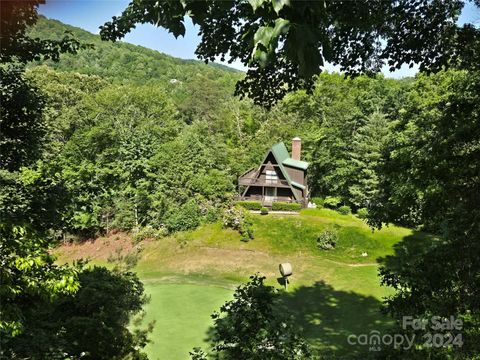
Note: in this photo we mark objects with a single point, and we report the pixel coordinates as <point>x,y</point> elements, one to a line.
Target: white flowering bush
<point>238,219</point>
<point>328,238</point>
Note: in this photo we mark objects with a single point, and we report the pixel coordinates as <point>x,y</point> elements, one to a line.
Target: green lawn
<point>182,317</point>
<point>333,293</point>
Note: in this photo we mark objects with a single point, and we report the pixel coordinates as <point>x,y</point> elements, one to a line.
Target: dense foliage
<point>282,206</point>
<point>167,155</point>
<point>254,326</point>
<point>123,137</point>
<point>83,324</point>
<point>285,43</point>
<point>124,63</point>
<point>430,178</point>
<point>328,238</point>
<point>27,273</point>
<point>26,270</point>
<point>250,205</point>
<point>47,310</point>
<point>238,219</point>
<point>344,210</point>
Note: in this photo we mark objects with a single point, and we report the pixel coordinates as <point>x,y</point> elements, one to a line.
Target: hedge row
<point>284,206</point>
<point>276,206</point>
<point>250,205</point>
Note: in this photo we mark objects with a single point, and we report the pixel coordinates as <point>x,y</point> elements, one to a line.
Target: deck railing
<point>267,200</point>
<point>247,181</point>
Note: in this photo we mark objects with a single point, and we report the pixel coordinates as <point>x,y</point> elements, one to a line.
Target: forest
<point>168,154</point>
<point>101,137</point>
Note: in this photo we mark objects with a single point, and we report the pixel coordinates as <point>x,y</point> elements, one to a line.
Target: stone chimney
<point>296,148</point>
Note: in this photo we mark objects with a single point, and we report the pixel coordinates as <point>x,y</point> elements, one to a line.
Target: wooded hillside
<point>140,138</point>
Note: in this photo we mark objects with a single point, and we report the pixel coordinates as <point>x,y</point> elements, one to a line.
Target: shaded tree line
<point>48,311</point>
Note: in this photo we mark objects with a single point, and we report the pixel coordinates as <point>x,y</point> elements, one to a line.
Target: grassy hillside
<point>123,62</point>
<point>333,293</point>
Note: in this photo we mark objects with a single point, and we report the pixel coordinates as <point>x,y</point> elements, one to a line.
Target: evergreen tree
<point>367,146</point>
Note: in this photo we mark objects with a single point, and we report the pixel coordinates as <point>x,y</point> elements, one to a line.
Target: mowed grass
<point>332,293</point>
<point>182,316</point>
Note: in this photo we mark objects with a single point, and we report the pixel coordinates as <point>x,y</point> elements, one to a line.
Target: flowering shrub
<point>327,239</point>
<point>238,219</point>
<point>148,232</point>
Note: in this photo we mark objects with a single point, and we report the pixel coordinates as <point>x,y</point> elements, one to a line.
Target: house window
<point>271,177</point>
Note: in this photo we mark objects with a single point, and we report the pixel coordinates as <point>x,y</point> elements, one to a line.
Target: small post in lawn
<point>285,271</point>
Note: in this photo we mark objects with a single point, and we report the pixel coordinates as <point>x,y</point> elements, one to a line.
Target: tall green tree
<point>429,178</point>
<point>342,124</point>
<point>27,269</point>
<point>90,323</point>
<point>105,162</point>
<point>21,105</point>
<point>366,152</point>
<point>27,273</point>
<point>21,120</point>
<point>30,281</point>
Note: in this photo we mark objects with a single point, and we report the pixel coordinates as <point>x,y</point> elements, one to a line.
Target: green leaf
<point>302,45</point>
<point>266,40</point>
<point>256,4</point>
<point>279,4</point>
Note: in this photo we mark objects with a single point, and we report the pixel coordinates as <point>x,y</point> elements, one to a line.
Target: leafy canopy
<point>47,310</point>
<point>15,43</point>
<point>254,326</point>
<point>285,43</point>
<point>429,178</point>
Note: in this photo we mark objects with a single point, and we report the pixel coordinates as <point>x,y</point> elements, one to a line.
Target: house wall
<point>296,175</point>
<point>263,173</point>
<point>270,163</point>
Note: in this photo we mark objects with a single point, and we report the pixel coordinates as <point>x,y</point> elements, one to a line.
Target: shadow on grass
<point>407,250</point>
<point>282,281</point>
<point>328,316</point>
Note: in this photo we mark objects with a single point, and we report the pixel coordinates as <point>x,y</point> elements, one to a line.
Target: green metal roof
<point>298,185</point>
<point>296,163</point>
<point>280,152</point>
<point>282,156</point>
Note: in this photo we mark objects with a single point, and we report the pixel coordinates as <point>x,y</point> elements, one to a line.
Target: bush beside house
<point>332,202</point>
<point>284,206</point>
<point>250,205</point>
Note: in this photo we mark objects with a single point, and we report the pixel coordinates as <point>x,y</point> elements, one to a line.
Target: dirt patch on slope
<point>98,249</point>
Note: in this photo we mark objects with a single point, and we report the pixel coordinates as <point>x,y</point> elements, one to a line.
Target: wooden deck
<point>267,201</point>
<point>251,178</point>
<point>259,182</point>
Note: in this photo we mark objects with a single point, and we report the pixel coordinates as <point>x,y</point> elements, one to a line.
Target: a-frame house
<point>278,178</point>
